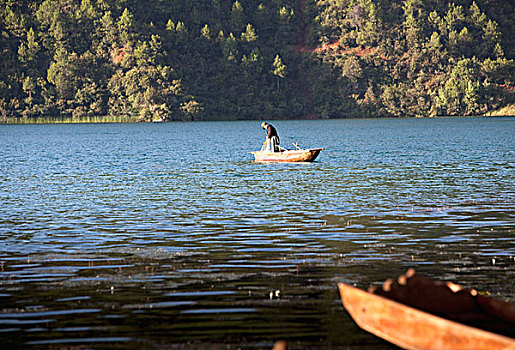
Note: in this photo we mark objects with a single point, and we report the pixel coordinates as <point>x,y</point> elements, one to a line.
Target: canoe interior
<point>411,328</point>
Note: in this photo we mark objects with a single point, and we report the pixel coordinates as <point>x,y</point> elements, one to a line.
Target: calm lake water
<point>168,235</point>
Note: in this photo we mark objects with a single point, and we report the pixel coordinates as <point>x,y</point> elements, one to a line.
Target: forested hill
<point>254,59</point>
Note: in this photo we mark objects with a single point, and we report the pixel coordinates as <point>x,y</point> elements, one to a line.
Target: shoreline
<point>108,120</point>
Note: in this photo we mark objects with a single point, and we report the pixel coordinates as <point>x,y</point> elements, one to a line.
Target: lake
<point>168,235</point>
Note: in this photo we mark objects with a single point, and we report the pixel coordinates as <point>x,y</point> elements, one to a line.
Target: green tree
<point>249,35</point>
<point>230,47</point>
<point>412,26</point>
<point>170,26</point>
<point>464,41</point>
<point>191,110</point>
<point>279,69</point>
<point>351,69</point>
<point>147,93</point>
<point>125,26</point>
<point>28,50</point>
<point>107,33</point>
<point>238,17</point>
<point>29,87</point>
<point>461,92</point>
<point>205,32</point>
<point>490,39</point>
<point>60,74</point>
<point>434,49</point>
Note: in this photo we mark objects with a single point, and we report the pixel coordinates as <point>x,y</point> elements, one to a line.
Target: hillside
<point>251,59</point>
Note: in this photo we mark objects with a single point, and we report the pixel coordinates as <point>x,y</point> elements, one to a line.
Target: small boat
<point>298,155</point>
<point>416,312</point>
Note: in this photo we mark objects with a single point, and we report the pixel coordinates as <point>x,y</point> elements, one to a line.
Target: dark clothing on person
<point>272,139</point>
<point>270,132</point>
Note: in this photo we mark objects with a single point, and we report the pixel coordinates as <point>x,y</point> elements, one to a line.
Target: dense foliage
<point>249,59</point>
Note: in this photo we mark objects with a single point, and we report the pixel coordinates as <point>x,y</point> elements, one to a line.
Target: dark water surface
<point>169,236</point>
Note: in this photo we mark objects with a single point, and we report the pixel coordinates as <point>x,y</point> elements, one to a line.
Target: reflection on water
<point>159,235</point>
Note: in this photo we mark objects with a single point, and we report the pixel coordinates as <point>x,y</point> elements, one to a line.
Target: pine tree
<point>249,35</point>
<point>279,69</point>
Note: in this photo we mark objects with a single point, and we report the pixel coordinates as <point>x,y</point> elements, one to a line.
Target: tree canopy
<point>254,59</point>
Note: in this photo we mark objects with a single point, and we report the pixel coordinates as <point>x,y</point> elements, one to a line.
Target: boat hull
<point>411,328</point>
<point>302,155</point>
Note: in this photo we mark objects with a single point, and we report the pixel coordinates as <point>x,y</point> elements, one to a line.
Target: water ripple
<point>121,234</point>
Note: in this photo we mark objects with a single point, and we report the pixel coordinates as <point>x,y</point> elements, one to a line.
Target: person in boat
<point>272,139</point>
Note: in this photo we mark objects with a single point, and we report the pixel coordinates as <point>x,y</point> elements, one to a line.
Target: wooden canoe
<point>411,328</point>
<point>299,155</point>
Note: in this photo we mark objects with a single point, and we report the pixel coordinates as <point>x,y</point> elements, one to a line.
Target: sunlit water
<point>168,235</point>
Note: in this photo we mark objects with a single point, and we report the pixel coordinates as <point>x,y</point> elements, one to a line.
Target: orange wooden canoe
<point>411,328</point>
<point>299,155</point>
